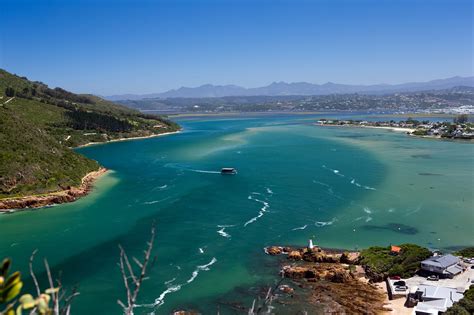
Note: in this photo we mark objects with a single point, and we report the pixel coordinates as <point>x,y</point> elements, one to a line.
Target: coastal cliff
<point>69,194</point>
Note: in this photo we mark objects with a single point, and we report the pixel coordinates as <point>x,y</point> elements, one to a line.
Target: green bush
<point>404,264</point>
<point>465,252</point>
<point>465,305</point>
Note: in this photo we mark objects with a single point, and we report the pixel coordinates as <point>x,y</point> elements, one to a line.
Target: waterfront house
<point>443,265</point>
<point>433,299</point>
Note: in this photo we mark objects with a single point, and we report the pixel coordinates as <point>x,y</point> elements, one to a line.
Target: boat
<point>228,171</point>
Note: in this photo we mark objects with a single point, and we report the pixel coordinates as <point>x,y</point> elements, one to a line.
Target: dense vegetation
<point>465,306</point>
<point>465,252</point>
<point>380,260</point>
<point>38,125</point>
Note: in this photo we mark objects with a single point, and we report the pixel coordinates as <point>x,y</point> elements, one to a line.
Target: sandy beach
<point>398,129</point>
<point>131,138</point>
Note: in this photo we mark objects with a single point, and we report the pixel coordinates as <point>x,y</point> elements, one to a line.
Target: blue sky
<point>116,47</point>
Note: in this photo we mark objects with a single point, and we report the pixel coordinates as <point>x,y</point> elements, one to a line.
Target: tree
<point>461,119</point>
<point>10,92</point>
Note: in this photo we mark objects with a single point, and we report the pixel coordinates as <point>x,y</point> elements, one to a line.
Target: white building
<point>434,299</point>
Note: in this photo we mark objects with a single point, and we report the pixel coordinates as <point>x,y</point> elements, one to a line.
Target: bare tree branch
<point>33,276</point>
<point>132,289</point>
<point>54,294</point>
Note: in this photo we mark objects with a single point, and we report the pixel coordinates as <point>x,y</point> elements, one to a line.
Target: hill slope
<point>38,125</point>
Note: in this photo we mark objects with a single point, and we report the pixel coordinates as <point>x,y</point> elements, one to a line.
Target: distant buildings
<point>443,265</point>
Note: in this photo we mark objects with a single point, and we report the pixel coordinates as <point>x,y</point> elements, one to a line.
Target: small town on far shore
<point>459,128</point>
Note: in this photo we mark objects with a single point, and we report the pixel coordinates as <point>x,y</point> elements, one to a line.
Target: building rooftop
<point>437,298</point>
<point>443,261</point>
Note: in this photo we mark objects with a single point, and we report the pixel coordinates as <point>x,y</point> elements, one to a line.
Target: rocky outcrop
<point>68,195</point>
<point>315,254</point>
<point>374,276</point>
<point>295,255</point>
<point>313,272</point>
<point>274,250</point>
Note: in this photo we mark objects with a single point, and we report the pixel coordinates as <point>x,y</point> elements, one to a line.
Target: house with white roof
<point>434,299</point>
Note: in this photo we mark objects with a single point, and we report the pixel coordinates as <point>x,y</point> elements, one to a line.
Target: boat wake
<point>204,171</point>
<point>183,168</point>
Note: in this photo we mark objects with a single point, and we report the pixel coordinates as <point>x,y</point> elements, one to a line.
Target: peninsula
<point>40,126</point>
<point>460,128</point>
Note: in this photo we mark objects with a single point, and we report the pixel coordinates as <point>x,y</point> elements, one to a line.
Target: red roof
<point>395,249</point>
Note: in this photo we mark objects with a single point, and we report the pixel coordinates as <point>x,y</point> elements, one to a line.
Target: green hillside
<point>39,125</point>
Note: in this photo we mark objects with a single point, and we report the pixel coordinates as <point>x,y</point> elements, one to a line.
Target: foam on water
<point>201,268</point>
<point>223,233</point>
<point>161,298</point>
<point>353,182</point>
<point>324,223</point>
<point>262,211</point>
<point>155,201</point>
<point>300,228</point>
<point>337,172</point>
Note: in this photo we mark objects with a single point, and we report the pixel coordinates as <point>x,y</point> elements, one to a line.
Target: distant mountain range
<point>299,88</point>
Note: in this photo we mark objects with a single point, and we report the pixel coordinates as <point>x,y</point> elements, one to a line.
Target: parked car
<point>472,267</point>
<point>401,288</point>
<point>432,278</point>
<point>399,283</point>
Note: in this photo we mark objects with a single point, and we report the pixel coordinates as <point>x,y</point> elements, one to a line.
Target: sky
<point>116,47</point>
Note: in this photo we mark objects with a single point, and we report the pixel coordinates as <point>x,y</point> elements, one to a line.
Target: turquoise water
<point>343,187</point>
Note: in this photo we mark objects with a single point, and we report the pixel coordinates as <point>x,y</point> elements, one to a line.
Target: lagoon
<point>342,187</point>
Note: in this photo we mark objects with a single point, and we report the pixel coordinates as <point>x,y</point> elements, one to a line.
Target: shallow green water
<point>345,188</point>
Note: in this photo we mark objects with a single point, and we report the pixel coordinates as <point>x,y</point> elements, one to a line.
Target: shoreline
<point>407,131</point>
<point>14,204</point>
<point>127,139</point>
<point>397,129</point>
<point>31,202</point>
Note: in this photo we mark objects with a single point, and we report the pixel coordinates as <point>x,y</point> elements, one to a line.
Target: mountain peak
<point>277,88</point>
